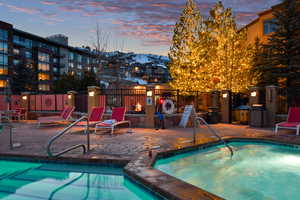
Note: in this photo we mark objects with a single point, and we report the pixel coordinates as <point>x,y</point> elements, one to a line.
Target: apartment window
<point>22,41</point>
<point>269,27</point>
<point>2,83</point>
<point>44,87</point>
<point>55,60</point>
<point>79,66</point>
<point>79,58</point>
<point>16,51</point>
<point>28,54</point>
<point>44,57</point>
<point>55,69</point>
<point>3,47</point>
<point>43,67</point>
<point>3,35</point>
<point>3,59</point>
<point>3,71</point>
<point>71,56</point>
<point>71,65</point>
<point>16,62</point>
<point>43,77</point>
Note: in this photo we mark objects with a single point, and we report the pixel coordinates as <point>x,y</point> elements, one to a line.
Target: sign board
<point>188,110</point>
<point>149,101</point>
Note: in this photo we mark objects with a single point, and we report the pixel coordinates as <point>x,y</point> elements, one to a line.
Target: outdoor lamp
<point>92,93</point>
<point>253,94</point>
<point>224,95</point>
<point>69,96</point>
<point>149,93</point>
<point>24,98</point>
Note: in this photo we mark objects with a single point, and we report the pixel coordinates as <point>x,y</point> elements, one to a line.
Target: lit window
<point>79,66</point>
<point>2,83</point>
<point>43,77</point>
<point>44,57</point>
<point>44,87</point>
<point>269,26</point>
<point>28,54</point>
<point>3,59</point>
<point>3,35</point>
<point>16,61</point>
<point>16,51</point>
<point>3,71</point>
<point>44,67</point>
<point>3,47</point>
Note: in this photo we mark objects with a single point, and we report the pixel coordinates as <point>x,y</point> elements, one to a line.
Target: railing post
<point>93,97</point>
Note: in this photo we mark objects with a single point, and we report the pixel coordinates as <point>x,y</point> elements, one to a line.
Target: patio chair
<point>64,116</point>
<point>117,118</point>
<point>94,118</point>
<point>293,121</point>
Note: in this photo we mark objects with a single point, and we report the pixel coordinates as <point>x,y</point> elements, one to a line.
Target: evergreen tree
<point>186,50</point>
<point>67,82</point>
<point>282,53</point>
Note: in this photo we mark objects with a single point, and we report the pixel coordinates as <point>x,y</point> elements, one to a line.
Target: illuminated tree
<point>231,62</point>
<point>187,53</point>
<point>210,54</point>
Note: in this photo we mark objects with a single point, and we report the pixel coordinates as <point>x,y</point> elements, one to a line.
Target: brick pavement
<point>121,145</point>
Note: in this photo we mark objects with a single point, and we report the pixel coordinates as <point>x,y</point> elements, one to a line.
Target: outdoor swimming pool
<point>32,181</point>
<point>256,170</point>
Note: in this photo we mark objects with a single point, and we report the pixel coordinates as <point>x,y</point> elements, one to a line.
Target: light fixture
<point>92,93</point>
<point>225,95</point>
<point>157,87</point>
<point>149,93</point>
<point>69,96</point>
<point>253,94</point>
<point>24,98</point>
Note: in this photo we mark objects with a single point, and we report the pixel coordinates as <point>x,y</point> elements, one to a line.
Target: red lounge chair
<point>94,118</point>
<point>293,121</point>
<point>64,116</point>
<point>117,118</point>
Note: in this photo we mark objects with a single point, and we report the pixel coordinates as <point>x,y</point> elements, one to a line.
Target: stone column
<point>226,106</point>
<point>93,97</point>
<point>150,107</point>
<point>25,102</point>
<point>254,96</point>
<point>271,104</point>
<point>71,98</point>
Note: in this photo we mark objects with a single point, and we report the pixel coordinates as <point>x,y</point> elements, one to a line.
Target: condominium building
<point>48,57</point>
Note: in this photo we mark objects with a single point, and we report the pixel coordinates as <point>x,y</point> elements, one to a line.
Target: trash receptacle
<point>257,115</point>
<point>242,114</point>
<point>213,115</point>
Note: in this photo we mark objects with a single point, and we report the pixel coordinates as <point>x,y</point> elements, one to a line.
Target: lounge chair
<point>64,116</point>
<point>293,121</point>
<point>117,118</point>
<point>94,118</point>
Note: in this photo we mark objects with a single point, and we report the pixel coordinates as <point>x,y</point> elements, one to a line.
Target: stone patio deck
<point>122,145</point>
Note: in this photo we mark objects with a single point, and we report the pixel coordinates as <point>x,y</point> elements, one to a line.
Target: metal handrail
<point>85,150</point>
<point>212,131</point>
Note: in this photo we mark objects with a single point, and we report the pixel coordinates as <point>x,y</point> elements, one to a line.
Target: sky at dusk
<point>141,26</point>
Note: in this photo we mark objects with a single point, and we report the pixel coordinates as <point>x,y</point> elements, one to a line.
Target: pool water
<point>256,171</point>
<point>33,181</point>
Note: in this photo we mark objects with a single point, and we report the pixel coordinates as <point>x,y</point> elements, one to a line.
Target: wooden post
<point>271,104</point>
<point>226,106</point>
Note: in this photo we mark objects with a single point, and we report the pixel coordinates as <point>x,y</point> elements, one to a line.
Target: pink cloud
<point>23,9</point>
